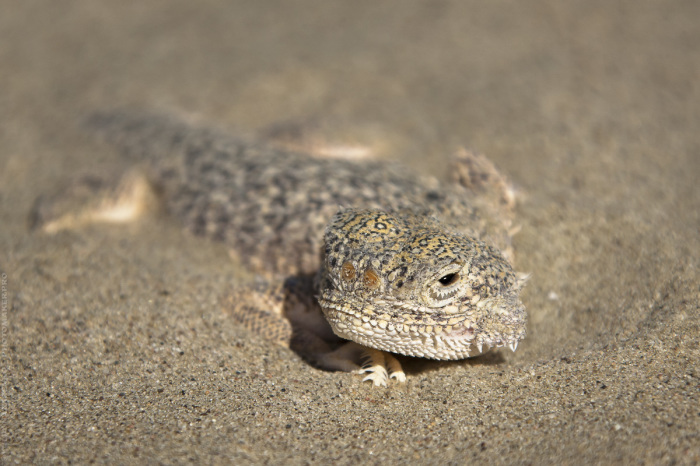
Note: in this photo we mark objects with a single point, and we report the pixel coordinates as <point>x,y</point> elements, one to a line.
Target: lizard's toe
<point>378,377</point>
<point>395,369</point>
<point>376,363</point>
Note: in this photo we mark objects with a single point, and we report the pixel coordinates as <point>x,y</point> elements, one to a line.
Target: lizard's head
<point>403,283</point>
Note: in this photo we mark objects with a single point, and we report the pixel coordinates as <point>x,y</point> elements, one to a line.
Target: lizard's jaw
<point>456,337</point>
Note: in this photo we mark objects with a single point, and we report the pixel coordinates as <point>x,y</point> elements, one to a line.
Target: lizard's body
<point>368,240</point>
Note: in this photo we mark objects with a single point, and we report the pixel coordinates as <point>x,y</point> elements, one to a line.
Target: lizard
<point>357,260</point>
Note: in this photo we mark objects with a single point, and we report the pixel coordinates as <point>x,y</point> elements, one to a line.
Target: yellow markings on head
<point>368,226</point>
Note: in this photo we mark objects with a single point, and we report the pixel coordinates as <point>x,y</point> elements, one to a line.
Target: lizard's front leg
<point>287,314</point>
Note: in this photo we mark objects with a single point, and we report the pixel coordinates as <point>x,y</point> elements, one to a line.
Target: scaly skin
<point>405,284</point>
<point>409,265</point>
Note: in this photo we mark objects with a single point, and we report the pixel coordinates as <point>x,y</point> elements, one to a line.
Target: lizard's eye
<point>449,279</point>
<point>445,286</point>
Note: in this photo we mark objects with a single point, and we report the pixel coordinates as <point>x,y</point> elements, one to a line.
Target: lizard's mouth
<point>454,338</point>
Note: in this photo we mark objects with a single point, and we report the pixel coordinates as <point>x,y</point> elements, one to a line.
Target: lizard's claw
<point>380,367</point>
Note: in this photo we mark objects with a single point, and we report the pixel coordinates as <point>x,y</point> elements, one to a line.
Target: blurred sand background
<point>114,346</point>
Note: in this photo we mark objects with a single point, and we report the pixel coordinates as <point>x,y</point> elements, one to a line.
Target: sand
<point>115,348</point>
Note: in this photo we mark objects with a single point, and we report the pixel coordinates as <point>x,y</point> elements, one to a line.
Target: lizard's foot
<point>478,174</point>
<point>328,138</point>
<point>381,367</point>
<point>492,191</point>
<point>283,314</point>
<point>91,199</point>
<point>259,307</point>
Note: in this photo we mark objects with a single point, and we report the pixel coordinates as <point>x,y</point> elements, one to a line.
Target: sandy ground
<point>114,347</point>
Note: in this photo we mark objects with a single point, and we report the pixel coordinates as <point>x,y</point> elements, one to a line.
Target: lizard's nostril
<point>347,272</point>
<point>371,280</point>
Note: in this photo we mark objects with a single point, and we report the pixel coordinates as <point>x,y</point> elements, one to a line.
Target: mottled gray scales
<point>394,261</point>
<point>271,205</point>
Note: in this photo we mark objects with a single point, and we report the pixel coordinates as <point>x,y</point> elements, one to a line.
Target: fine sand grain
<point>114,347</point>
